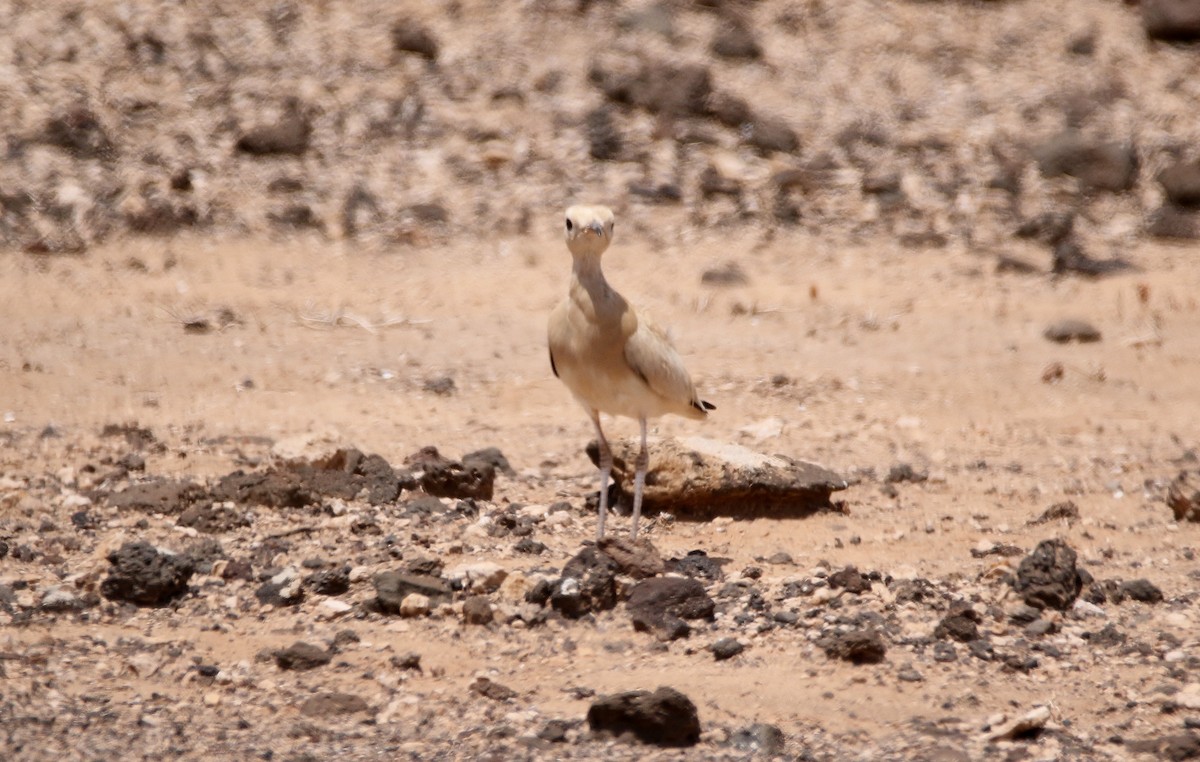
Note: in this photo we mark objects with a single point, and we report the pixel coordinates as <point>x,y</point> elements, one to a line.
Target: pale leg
<point>605,473</point>
<point>639,480</point>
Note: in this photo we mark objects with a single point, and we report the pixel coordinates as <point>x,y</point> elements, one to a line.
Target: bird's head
<point>589,229</point>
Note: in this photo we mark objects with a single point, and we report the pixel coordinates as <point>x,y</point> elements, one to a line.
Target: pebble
<point>414,605</point>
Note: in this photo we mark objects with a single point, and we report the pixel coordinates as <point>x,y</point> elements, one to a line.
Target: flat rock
<point>1047,577</point>
<point>699,478</point>
<point>284,589</point>
<point>638,559</point>
<point>144,575</point>
<point>1024,726</point>
<point>159,496</point>
<point>665,717</point>
<point>1098,165</point>
<point>302,656</point>
<point>332,704</point>
<point>391,588</point>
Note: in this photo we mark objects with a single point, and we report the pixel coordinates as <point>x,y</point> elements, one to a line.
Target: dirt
<point>239,348</point>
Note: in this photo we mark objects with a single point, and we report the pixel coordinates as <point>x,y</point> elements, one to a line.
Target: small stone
<point>909,675</point>
<point>856,646</point>
<point>1024,726</point>
<point>760,737</point>
<point>302,656</point>
<point>477,610</point>
<point>333,704</point>
<point>414,605</point>
<point>1072,330</point>
<point>1142,590</point>
<point>1047,577</point>
<point>490,689</point>
<point>726,648</point>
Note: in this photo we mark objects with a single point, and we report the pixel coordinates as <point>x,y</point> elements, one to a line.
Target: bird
<point>612,360</point>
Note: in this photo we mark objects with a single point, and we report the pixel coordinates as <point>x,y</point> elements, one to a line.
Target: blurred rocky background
<point>957,124</point>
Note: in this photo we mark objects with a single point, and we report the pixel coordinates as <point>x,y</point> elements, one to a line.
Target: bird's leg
<point>639,480</point>
<point>605,473</point>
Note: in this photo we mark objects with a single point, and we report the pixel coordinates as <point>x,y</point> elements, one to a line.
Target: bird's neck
<point>587,271</point>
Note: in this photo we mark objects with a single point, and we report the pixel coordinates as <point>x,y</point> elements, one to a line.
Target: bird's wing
<point>650,355</point>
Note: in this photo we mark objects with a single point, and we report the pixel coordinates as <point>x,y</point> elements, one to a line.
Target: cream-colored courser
<point>611,361</point>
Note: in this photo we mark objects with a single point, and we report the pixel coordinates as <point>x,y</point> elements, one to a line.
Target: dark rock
<point>1171,20</point>
<point>143,575</point>
<point>408,661</point>
<point>442,386</point>
<point>729,109</point>
<point>530,546</point>
<point>1099,166</point>
<point>1069,257</point>
<point>212,518</point>
<point>274,489</point>
<point>713,183</point>
<point>1047,577</point>
<point>493,457</point>
<point>726,648</point>
<point>909,675</point>
<point>158,496</point>
<point>728,274</point>
<point>960,624</point>
<point>442,477</point>
<point>392,587</point>
<point>856,646</point>
<point>904,472</point>
<point>79,132</point>
<point>492,690</point>
<point>427,213</point>
<point>736,41</point>
<point>1048,228</point>
<point>1181,182</point>
<point>604,140</point>
<point>851,579</point>
<point>1142,590</point>
<point>287,136</point>
<point>329,581</point>
<point>283,589</point>
<point>477,610</point>
<point>665,717</point>
<point>1183,496</point>
<point>132,461</point>
<point>914,590</point>
<point>657,87</point>
<point>1064,511</point>
<point>302,656</point>
<point>359,208</point>
<point>699,564</point>
<point>659,604</point>
<point>760,738</point>
<point>333,704</point>
<point>595,589</point>
<point>1069,329</point>
<point>1173,222</point>
<point>944,652</point>
<point>296,216</point>
<point>771,134</point>
<point>82,520</point>
<point>1021,663</point>
<point>982,650</point>
<point>410,37</point>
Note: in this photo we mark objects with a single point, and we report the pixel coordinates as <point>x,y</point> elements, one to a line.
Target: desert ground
<point>871,299</point>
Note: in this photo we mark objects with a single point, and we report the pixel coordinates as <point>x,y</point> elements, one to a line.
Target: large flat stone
<point>700,478</point>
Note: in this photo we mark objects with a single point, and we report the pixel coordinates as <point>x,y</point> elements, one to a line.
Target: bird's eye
<point>569,226</point>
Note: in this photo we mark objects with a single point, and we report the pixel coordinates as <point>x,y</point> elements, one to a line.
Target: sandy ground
<point>272,311</point>
<point>855,357</point>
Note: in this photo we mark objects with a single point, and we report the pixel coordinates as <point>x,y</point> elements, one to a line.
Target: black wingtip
<point>703,405</point>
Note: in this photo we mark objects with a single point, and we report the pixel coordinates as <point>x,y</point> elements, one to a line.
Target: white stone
<point>414,604</point>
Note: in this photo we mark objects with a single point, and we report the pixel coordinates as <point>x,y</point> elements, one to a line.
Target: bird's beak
<point>597,228</point>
